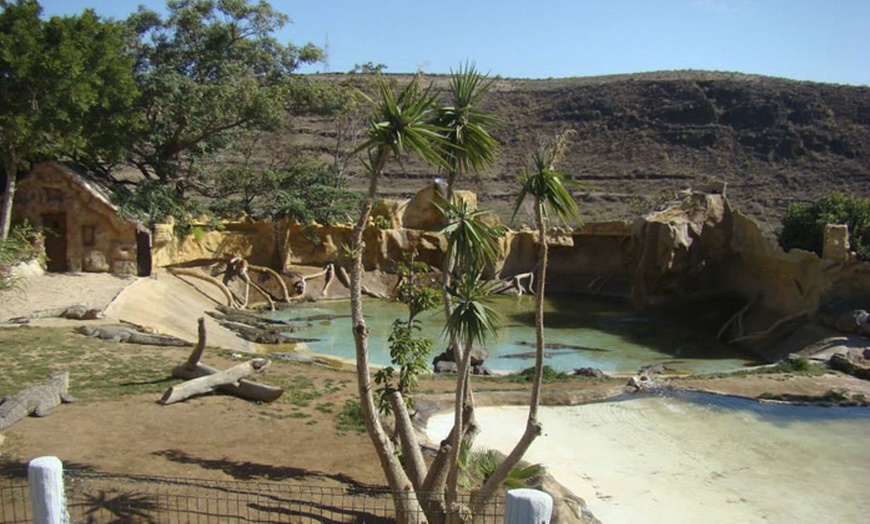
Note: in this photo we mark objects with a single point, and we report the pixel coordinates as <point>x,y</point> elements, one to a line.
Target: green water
<point>606,335</point>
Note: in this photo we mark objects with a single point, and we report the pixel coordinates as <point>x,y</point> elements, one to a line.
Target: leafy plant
<point>409,352</point>
<point>23,244</point>
<point>803,225</point>
<point>479,466</point>
<point>549,375</point>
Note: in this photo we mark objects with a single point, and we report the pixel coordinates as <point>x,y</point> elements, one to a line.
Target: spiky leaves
<point>469,146</point>
<point>400,125</point>
<point>472,240</point>
<point>547,186</point>
<point>472,319</point>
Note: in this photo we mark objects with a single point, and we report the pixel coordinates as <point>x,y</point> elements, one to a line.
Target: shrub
<point>803,225</point>
<point>24,243</point>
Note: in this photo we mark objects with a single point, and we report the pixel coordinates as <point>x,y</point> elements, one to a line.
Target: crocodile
<point>75,312</point>
<point>36,400</point>
<point>131,336</point>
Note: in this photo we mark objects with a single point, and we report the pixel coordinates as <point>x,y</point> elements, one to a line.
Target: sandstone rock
<point>836,246</point>
<point>95,262</point>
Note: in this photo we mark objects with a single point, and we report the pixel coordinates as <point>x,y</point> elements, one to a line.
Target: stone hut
<point>83,231</point>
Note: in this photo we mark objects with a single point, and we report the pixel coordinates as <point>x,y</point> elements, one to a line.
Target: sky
<point>817,40</point>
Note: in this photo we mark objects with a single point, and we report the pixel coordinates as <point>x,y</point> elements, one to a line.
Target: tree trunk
<point>414,463</point>
<point>407,506</point>
<point>9,196</point>
<point>533,427</point>
<point>209,383</point>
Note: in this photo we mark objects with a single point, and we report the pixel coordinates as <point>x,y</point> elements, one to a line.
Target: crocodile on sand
<point>36,400</point>
<point>75,312</point>
<point>129,335</point>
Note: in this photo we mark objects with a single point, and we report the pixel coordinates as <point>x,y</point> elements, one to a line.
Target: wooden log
<point>208,383</point>
<point>243,389</point>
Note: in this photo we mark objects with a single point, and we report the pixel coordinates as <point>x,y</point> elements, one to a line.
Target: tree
<point>63,83</point>
<point>208,71</point>
<point>468,145</point>
<point>550,197</point>
<point>399,125</point>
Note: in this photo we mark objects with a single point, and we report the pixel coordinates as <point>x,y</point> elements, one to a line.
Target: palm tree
<point>468,144</point>
<point>472,320</point>
<point>399,125</point>
<point>550,197</point>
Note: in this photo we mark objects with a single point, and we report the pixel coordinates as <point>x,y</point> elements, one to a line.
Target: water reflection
<point>581,332</point>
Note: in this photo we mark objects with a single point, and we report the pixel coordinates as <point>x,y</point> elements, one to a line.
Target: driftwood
<point>193,369</point>
<point>209,383</point>
<point>515,282</point>
<point>231,301</point>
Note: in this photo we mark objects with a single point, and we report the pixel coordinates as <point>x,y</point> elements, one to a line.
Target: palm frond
<point>472,317</point>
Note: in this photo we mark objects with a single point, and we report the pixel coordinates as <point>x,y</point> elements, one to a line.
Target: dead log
<point>193,369</point>
<point>231,301</point>
<point>243,389</point>
<point>208,383</point>
<point>274,274</point>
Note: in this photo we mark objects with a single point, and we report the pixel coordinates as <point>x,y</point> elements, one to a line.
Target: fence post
<point>45,477</point>
<point>528,506</point>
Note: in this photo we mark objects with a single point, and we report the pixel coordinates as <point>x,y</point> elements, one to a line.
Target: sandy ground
<point>162,303</point>
<point>661,460</point>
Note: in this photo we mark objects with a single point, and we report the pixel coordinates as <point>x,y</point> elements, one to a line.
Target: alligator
<point>75,312</point>
<point>129,335</point>
<point>36,400</point>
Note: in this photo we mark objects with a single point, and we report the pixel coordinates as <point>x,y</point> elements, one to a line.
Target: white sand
<point>663,460</point>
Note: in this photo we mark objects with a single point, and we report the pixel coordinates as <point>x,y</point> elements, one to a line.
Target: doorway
<point>143,253</point>
<point>54,227</point>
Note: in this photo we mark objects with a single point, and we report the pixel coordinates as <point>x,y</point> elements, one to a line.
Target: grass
<point>105,371</point>
<point>799,366</point>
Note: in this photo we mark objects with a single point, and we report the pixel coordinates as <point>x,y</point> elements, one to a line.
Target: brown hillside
<point>639,138</point>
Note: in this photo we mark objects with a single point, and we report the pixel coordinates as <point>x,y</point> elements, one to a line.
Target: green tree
<point>65,88</point>
<point>468,146</point>
<point>208,71</point>
<point>399,125</point>
<point>549,197</point>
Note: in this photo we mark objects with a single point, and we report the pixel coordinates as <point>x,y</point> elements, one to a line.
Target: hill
<point>640,138</point>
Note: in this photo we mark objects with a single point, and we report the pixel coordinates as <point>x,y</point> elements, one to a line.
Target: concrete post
<point>528,506</point>
<point>45,477</point>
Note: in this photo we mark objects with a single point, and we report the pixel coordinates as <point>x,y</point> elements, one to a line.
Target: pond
<point>580,332</point>
<point>690,457</point>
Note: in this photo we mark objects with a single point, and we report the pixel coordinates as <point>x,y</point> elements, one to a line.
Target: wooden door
<point>54,225</point>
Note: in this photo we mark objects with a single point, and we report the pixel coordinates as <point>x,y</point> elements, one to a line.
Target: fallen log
<point>243,389</point>
<point>193,369</point>
<point>209,383</point>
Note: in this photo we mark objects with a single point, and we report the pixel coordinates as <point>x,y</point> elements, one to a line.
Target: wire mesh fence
<point>103,498</point>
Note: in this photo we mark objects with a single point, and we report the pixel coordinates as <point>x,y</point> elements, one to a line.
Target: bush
<point>803,225</point>
<point>24,243</point>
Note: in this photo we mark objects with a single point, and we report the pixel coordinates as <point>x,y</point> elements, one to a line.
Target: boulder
<point>589,372</point>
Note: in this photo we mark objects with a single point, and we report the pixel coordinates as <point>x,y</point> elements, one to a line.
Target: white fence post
<point>528,506</point>
<point>45,477</point>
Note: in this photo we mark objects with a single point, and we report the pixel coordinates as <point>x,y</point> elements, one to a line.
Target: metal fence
<point>107,498</point>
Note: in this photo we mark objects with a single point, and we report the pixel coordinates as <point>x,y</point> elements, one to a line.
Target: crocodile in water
<point>132,336</point>
<point>36,400</point>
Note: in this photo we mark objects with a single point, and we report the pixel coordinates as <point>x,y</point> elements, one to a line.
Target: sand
<point>662,460</point>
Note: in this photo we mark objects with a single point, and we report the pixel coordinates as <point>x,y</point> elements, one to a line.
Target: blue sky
<point>818,40</point>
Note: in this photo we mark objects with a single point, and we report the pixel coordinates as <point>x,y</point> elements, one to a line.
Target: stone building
<point>83,231</point>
